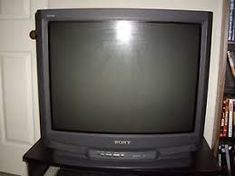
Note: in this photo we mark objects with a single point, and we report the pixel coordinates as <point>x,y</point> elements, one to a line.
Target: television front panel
<point>124,82</point>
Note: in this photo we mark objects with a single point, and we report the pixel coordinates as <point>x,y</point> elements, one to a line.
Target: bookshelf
<point>231,45</point>
<point>226,148</point>
<point>229,89</point>
<point>227,143</point>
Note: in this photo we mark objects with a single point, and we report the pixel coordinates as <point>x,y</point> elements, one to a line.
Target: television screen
<point>123,77</point>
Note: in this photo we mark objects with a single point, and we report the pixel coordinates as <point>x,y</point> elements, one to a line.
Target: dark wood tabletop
<point>39,158</point>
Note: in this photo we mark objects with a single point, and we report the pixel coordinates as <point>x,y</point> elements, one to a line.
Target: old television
<point>123,88</point>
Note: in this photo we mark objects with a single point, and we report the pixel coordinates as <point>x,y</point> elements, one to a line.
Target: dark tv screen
<point>124,77</point>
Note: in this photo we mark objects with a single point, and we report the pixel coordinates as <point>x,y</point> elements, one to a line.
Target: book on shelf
<point>231,28</point>
<point>230,118</point>
<point>225,129</point>
<point>222,122</point>
<point>226,158</point>
<point>231,60</point>
<point>227,123</point>
<point>234,117</point>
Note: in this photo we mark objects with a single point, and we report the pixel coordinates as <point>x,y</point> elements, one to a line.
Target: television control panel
<point>122,155</point>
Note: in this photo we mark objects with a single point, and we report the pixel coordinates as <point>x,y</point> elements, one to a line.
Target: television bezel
<point>71,140</point>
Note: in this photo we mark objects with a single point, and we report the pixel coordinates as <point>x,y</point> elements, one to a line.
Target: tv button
<point>122,154</point>
<point>108,154</point>
<point>116,154</point>
<point>101,154</point>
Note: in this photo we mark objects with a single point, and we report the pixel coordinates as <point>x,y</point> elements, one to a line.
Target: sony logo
<point>122,142</point>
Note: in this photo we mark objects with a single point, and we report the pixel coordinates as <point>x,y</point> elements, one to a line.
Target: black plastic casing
<point>81,143</point>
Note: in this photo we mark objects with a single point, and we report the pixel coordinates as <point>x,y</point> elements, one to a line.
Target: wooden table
<point>39,158</point>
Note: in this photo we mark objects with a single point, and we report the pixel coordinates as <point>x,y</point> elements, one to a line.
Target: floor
<point>5,174</point>
<point>52,171</point>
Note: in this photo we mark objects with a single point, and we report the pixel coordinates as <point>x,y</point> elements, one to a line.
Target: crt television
<point>123,88</point>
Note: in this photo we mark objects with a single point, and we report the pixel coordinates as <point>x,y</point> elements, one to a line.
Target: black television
<point>123,88</point>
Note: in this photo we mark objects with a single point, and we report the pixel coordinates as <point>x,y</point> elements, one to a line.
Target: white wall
<point>218,7</point>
